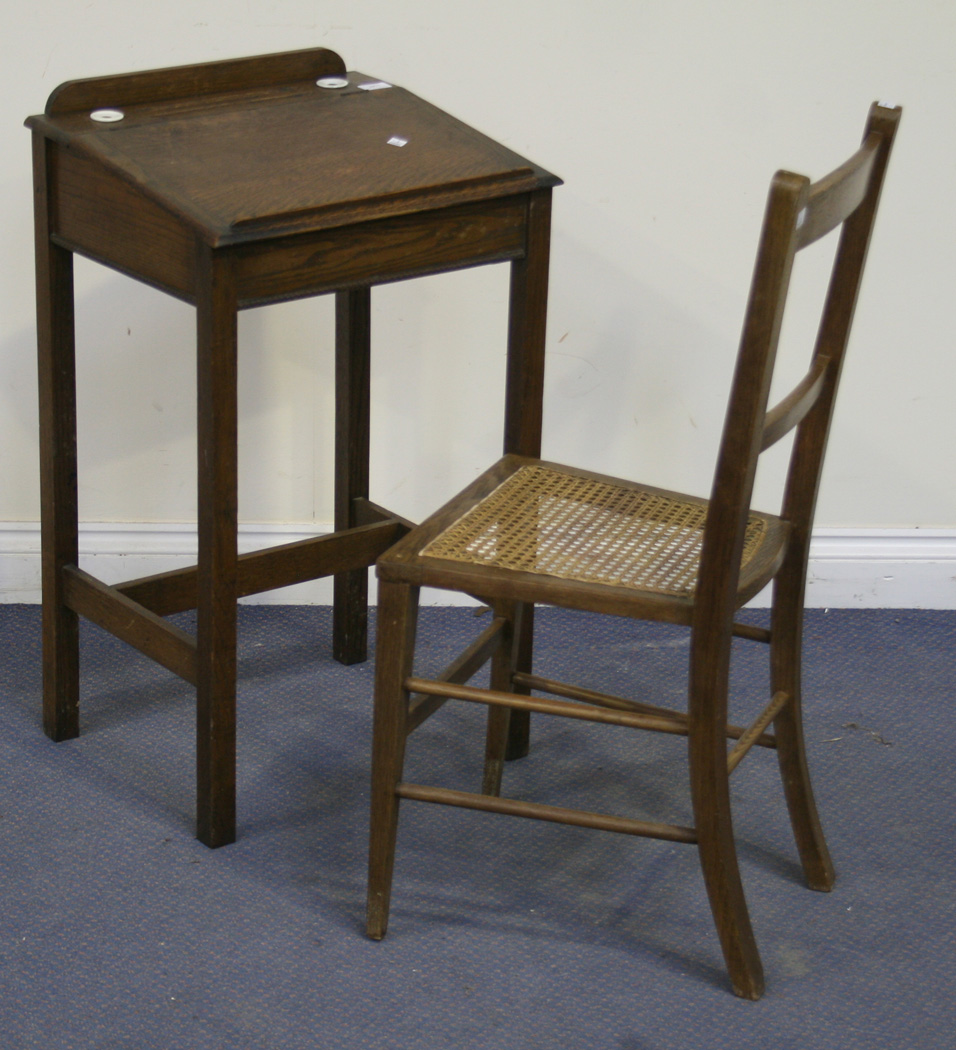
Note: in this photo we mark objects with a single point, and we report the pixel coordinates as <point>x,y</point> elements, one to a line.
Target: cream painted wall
<point>665,118</point>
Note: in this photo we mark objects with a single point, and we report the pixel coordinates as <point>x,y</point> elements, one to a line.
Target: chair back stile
<point>721,554</point>
<point>740,447</point>
<point>797,214</point>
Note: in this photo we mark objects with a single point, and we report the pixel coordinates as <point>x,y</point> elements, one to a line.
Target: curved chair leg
<point>395,648</point>
<point>712,818</point>
<point>785,659</point>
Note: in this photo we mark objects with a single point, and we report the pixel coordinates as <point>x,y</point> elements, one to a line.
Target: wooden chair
<point>531,531</point>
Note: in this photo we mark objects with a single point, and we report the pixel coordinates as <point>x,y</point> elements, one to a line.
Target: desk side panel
<point>100,215</point>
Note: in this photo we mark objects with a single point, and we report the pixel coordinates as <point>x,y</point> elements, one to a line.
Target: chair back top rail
<point>834,198</point>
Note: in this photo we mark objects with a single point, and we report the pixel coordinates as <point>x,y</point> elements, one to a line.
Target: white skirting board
<point>849,568</point>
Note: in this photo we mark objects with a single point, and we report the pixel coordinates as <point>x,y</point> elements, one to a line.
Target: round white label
<point>106,116</point>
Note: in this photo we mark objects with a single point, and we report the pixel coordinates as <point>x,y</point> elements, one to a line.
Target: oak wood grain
<point>797,212</point>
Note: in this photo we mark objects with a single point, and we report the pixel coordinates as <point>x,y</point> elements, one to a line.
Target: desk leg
<point>352,351</point>
<point>56,358</point>
<point>524,398</point>
<point>217,574</point>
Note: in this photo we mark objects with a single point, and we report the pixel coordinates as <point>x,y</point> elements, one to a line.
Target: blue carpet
<point>118,930</point>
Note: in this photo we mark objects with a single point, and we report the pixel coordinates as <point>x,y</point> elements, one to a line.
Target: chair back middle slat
<point>790,410</point>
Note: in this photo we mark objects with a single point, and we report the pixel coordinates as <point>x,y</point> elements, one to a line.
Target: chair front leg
<point>395,649</point>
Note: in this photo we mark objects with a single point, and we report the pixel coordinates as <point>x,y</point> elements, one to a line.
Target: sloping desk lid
<point>255,160</point>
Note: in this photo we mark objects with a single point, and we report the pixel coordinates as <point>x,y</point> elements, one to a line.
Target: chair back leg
<point>504,663</point>
<point>710,793</point>
<point>502,672</point>
<point>785,661</point>
<point>519,728</point>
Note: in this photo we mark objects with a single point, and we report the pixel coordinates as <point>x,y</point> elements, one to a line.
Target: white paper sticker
<point>374,85</point>
<point>106,116</point>
<point>397,140</point>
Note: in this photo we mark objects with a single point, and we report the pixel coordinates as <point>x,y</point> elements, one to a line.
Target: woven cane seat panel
<point>544,521</point>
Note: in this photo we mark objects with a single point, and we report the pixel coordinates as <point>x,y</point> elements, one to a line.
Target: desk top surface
<point>239,159</point>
